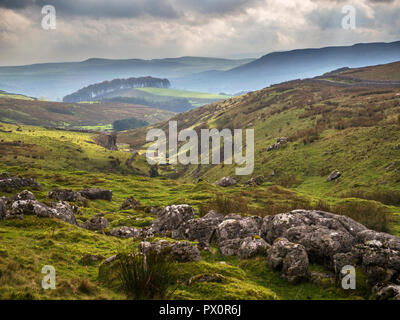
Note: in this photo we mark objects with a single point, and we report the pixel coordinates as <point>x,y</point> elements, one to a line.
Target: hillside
<point>97,91</point>
<point>277,67</point>
<point>55,80</point>
<point>24,110</point>
<point>162,98</point>
<point>350,128</point>
<point>59,159</point>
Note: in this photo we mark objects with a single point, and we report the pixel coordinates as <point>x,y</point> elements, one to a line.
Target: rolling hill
<point>20,109</point>
<point>278,67</point>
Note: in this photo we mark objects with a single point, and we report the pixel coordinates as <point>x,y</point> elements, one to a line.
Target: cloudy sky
<point>171,28</point>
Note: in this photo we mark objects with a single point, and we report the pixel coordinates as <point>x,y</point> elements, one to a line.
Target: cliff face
<point>98,90</point>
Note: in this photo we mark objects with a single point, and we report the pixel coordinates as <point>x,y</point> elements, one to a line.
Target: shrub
<point>146,277</point>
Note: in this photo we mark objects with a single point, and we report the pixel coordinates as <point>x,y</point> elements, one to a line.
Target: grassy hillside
<point>24,110</point>
<point>385,72</point>
<point>70,160</point>
<point>352,129</point>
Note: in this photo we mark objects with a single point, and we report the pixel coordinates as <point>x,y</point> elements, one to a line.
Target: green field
<point>183,93</point>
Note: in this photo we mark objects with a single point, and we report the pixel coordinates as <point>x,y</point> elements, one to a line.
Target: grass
<point>183,94</point>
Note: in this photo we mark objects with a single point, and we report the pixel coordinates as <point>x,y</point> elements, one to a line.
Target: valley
<point>305,130</point>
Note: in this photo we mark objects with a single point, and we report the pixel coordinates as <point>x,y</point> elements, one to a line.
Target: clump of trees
<point>127,124</point>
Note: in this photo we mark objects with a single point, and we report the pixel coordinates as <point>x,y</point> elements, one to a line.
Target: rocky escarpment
<point>99,90</point>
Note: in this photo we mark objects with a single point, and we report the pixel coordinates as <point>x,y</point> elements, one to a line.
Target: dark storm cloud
<point>135,8</point>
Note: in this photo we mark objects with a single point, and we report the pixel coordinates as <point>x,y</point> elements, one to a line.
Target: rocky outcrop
<point>226,182</point>
<point>171,218</point>
<point>386,292</point>
<point>251,247</point>
<point>10,183</point>
<point>96,223</point>
<point>289,258</point>
<point>24,203</point>
<point>66,195</point>
<point>126,232</point>
<point>200,230</point>
<point>182,251</point>
<point>97,194</point>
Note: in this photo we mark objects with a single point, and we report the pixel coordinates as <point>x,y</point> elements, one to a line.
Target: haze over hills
<point>278,67</point>
<point>56,80</point>
<point>213,75</point>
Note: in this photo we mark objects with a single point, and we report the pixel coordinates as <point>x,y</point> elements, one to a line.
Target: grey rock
<point>386,292</point>
<point>289,258</point>
<point>125,232</point>
<point>231,233</point>
<point>171,218</point>
<point>10,183</point>
<point>226,182</point>
<point>130,204</point>
<point>323,279</point>
<point>24,195</point>
<point>66,195</point>
<point>97,194</point>
<point>96,223</point>
<point>251,247</point>
<point>3,209</point>
<point>256,181</point>
<point>334,176</point>
<point>200,230</point>
<point>214,277</point>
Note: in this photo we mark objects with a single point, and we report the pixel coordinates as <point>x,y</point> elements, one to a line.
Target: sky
<point>148,29</point>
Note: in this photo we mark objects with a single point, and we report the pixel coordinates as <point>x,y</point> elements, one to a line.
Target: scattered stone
<point>125,232</point>
<point>256,181</point>
<point>182,251</point>
<point>97,194</point>
<point>333,176</point>
<point>24,195</point>
<point>64,211</point>
<point>66,195</point>
<point>289,258</point>
<point>130,203</point>
<point>226,182</point>
<point>279,143</point>
<point>3,210</point>
<point>96,223</point>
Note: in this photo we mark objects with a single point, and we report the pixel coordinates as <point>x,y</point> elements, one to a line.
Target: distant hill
<point>98,91</point>
<point>278,67</point>
<point>97,116</point>
<point>56,80</point>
